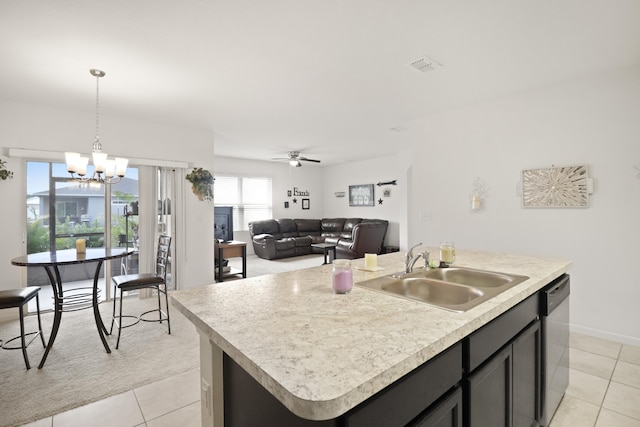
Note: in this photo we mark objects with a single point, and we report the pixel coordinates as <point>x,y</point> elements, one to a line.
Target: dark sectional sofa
<point>285,237</point>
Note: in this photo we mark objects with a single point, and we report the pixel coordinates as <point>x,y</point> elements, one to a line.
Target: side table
<point>230,249</point>
<point>326,247</point>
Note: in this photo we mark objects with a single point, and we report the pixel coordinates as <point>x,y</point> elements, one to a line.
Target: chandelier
<point>105,171</point>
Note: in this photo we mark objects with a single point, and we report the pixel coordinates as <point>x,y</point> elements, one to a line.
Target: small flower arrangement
<point>201,183</point>
<point>4,172</point>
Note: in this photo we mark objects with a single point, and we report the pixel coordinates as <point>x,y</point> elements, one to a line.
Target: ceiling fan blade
<point>308,160</point>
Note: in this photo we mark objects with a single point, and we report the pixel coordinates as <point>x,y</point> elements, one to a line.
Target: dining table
<point>72,299</point>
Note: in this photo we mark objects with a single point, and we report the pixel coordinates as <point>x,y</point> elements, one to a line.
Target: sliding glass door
<point>59,211</point>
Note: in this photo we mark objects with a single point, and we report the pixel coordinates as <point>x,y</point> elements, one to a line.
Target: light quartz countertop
<point>321,354</point>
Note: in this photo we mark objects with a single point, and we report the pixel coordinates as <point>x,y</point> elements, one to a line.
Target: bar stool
<point>18,298</point>
<point>157,281</point>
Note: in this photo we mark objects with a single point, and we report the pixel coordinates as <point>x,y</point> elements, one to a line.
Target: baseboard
<point>622,339</point>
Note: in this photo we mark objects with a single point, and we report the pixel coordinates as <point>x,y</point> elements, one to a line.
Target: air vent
<point>425,64</point>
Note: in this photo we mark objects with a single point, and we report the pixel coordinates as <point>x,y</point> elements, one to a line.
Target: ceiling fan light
<point>295,162</point>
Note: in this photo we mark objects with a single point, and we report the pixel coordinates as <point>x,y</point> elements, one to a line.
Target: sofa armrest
<point>259,238</point>
<point>264,246</point>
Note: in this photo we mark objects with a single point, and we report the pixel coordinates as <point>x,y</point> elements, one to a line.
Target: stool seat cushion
<point>17,297</point>
<point>135,281</point>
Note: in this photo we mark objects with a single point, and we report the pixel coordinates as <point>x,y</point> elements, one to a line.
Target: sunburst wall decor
<point>555,187</point>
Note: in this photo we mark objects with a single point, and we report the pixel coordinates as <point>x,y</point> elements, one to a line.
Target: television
<point>223,223</point>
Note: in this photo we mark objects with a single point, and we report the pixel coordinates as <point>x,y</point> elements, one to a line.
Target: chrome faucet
<point>410,259</point>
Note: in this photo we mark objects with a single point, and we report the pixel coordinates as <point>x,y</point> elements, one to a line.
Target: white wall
<point>337,178</point>
<point>594,121</point>
<point>40,128</point>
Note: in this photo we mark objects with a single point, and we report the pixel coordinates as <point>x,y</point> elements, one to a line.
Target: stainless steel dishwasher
<point>555,353</point>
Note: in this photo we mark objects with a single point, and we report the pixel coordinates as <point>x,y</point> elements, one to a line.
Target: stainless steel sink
<point>454,288</point>
<point>471,277</point>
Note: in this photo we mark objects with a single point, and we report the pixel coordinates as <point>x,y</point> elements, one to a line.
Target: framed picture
<point>361,195</point>
<point>286,205</point>
<point>555,187</point>
<point>305,203</point>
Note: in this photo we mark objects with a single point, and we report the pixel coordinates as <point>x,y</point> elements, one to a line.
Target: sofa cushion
<point>308,227</point>
<point>267,226</point>
<point>344,244</point>
<point>287,227</point>
<point>332,225</point>
<point>332,240</point>
<point>347,230</point>
<point>331,229</point>
<point>302,241</point>
<point>287,243</point>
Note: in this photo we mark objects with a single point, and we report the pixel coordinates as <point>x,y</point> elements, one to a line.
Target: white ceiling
<point>329,78</point>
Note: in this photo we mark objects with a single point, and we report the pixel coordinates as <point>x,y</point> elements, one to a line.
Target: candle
<point>475,203</point>
<point>81,246</point>
<point>342,281</point>
<point>370,261</point>
<point>447,252</point>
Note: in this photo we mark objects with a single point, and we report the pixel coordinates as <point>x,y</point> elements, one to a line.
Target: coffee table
<point>326,247</point>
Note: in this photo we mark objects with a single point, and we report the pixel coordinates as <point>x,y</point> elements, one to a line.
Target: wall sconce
<point>477,196</point>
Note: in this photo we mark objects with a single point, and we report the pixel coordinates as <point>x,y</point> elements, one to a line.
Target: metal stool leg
<point>39,322</point>
<point>119,321</point>
<point>22,340</point>
<point>113,315</point>
<point>166,300</point>
<point>159,305</point>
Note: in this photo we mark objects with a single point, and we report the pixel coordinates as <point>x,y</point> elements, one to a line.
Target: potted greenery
<point>201,183</point>
<point>4,172</point>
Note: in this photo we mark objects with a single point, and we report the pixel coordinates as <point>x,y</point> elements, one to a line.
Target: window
<point>250,198</point>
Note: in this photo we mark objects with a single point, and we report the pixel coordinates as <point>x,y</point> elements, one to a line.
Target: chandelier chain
<point>97,146</point>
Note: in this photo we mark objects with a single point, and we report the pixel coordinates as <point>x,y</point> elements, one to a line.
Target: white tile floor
<point>604,391</point>
<point>604,385</point>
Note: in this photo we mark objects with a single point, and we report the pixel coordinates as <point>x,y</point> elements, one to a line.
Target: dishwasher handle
<point>556,292</point>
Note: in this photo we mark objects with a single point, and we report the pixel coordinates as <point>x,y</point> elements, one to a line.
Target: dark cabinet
<point>447,413</point>
<point>489,393</point>
<point>506,389</point>
<point>419,392</point>
<point>527,377</point>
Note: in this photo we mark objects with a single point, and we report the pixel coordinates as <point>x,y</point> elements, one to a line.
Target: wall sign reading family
<point>361,195</point>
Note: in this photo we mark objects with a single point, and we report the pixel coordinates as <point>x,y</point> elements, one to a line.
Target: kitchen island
<point>320,354</point>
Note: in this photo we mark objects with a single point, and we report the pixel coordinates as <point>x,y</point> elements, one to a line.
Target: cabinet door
<point>447,413</point>
<point>527,387</point>
<point>489,392</point>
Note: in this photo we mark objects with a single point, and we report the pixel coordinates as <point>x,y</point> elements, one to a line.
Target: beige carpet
<point>78,371</point>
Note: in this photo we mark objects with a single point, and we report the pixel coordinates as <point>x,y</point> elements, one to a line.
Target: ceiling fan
<point>295,158</point>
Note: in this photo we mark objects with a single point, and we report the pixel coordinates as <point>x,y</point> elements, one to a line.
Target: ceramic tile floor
<point>604,391</point>
<point>604,385</point>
